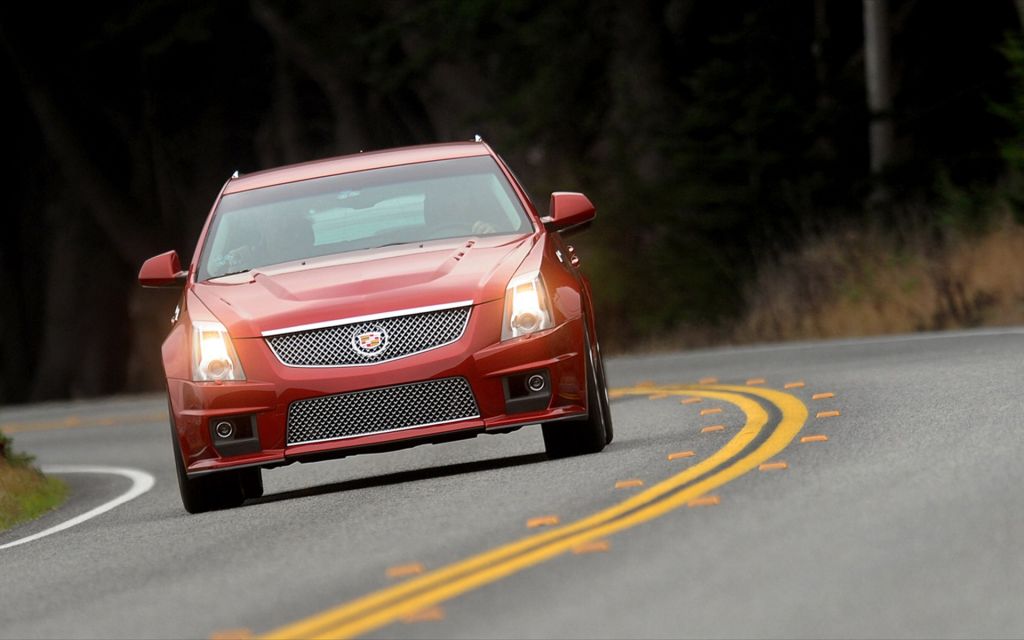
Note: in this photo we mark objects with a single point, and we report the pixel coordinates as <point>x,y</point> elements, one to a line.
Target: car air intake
<point>360,413</point>
<point>370,341</point>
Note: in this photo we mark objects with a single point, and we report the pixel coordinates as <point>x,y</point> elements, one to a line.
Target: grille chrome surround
<point>403,333</point>
<point>360,413</point>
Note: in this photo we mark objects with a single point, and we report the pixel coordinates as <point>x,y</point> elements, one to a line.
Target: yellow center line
<point>345,622</point>
<point>756,419</point>
<point>387,605</point>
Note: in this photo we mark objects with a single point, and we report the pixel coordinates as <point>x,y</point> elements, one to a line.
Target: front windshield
<point>362,210</point>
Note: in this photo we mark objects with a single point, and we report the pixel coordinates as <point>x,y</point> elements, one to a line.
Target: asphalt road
<point>907,521</point>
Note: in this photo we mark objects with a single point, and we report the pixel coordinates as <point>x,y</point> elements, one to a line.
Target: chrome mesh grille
<point>385,409</point>
<point>399,336</point>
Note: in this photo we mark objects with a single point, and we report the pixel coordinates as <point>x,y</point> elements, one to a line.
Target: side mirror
<point>569,210</point>
<point>163,270</point>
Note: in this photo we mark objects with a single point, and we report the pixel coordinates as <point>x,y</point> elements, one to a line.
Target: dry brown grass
<point>26,493</point>
<point>868,282</point>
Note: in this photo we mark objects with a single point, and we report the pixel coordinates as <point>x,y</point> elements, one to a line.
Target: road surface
<point>903,515</point>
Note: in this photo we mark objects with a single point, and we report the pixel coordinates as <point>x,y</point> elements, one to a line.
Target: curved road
<point>903,515</point>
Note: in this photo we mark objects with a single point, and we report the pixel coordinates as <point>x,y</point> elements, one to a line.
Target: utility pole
<point>877,64</point>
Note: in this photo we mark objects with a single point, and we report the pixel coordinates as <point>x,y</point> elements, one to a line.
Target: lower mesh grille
<point>386,409</point>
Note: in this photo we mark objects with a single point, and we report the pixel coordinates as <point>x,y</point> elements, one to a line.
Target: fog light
<point>535,382</point>
<point>224,429</point>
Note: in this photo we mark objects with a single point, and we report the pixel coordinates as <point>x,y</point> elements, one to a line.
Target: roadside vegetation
<point>864,281</point>
<point>25,493</point>
<point>869,281</point>
<point>945,258</point>
<point>953,263</point>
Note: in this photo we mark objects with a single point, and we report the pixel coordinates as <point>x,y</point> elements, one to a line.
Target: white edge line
<point>141,483</point>
<point>819,344</point>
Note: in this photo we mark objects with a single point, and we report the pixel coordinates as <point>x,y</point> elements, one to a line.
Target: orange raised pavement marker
<point>629,484</point>
<point>430,614</point>
<point>593,546</point>
<point>542,521</point>
<point>680,454</point>
<point>404,570</point>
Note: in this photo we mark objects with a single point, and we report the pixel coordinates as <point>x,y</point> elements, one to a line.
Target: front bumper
<point>478,356</point>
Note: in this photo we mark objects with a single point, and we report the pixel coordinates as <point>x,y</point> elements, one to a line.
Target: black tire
<point>252,482</point>
<point>222,490</point>
<point>606,403</point>
<point>576,437</point>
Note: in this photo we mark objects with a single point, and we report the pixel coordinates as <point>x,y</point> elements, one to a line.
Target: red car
<point>373,302</point>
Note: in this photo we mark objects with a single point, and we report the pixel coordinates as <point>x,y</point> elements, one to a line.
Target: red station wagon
<point>373,302</point>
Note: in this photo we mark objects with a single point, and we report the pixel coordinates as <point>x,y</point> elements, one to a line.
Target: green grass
<point>25,493</point>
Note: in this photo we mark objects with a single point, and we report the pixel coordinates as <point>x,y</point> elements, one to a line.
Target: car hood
<point>364,283</point>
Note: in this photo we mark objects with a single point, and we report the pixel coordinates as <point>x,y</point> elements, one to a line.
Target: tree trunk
<point>110,211</point>
<point>877,79</point>
<point>347,125</point>
<point>86,334</point>
<point>824,146</point>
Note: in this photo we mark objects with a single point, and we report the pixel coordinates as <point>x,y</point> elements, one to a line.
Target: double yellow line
<point>383,607</point>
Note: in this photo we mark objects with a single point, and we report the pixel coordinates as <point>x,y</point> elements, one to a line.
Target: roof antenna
<point>235,174</point>
<point>477,138</point>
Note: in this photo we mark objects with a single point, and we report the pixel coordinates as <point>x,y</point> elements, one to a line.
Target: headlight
<point>213,355</point>
<point>527,308</point>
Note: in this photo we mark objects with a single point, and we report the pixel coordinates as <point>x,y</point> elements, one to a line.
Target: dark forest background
<point>716,138</point>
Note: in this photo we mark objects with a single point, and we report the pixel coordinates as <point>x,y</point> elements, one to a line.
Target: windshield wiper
<point>233,273</point>
<point>394,244</point>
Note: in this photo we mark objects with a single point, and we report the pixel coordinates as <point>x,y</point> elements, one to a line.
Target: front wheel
<point>606,403</point>
<point>591,434</point>
<point>252,482</point>
<point>222,490</point>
